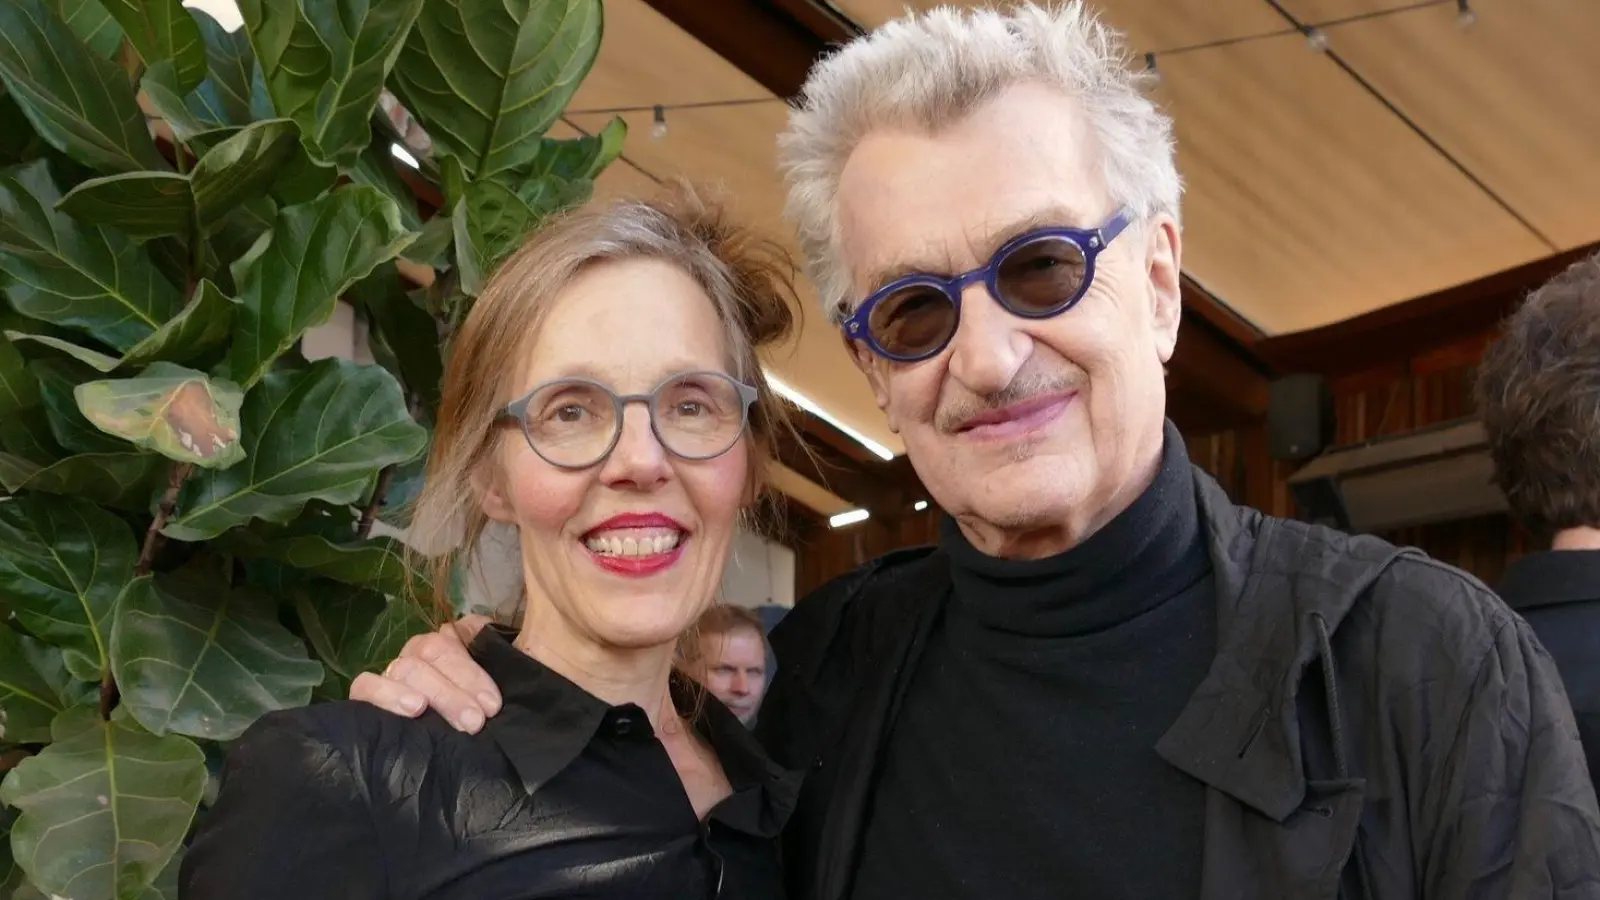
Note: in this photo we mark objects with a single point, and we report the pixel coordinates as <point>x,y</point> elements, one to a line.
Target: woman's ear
<point>487,484</point>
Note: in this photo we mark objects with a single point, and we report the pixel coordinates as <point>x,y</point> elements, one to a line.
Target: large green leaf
<point>72,274</point>
<point>163,30</point>
<point>80,103</point>
<point>63,561</point>
<point>238,169</point>
<point>291,280</point>
<point>125,481</point>
<point>578,159</point>
<point>200,328</point>
<point>10,874</point>
<point>34,687</point>
<point>235,93</point>
<point>104,808</point>
<point>142,205</point>
<point>318,434</point>
<point>93,25</point>
<point>406,331</point>
<point>487,78</point>
<point>377,563</point>
<point>498,221</point>
<point>19,390</point>
<point>18,142</point>
<point>58,379</point>
<point>375,167</point>
<point>355,630</point>
<point>325,63</point>
<point>194,656</point>
<point>177,412</point>
<point>26,434</point>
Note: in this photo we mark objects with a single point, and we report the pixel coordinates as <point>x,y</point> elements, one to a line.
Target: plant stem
<point>385,477</point>
<point>169,502</point>
<point>370,514</point>
<point>109,695</point>
<point>10,759</point>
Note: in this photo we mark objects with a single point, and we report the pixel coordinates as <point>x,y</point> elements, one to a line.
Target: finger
<point>468,626</point>
<point>451,659</point>
<point>458,707</point>
<point>388,694</point>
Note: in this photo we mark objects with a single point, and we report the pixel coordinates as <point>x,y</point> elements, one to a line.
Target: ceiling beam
<point>773,41</point>
<point>1416,326</point>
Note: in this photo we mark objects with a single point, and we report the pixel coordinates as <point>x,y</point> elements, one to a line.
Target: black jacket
<point>1374,725</point>
<point>1558,592</point>
<point>561,795</point>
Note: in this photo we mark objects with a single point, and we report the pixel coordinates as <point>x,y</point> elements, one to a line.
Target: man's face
<point>1080,396</point>
<point>735,670</point>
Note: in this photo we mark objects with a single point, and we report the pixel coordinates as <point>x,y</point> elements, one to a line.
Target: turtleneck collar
<point>1150,552</point>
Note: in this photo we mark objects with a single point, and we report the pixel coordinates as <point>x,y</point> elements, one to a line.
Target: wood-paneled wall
<point>1426,389</point>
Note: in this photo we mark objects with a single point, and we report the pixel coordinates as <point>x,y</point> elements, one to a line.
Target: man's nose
<point>741,684</point>
<point>988,348</point>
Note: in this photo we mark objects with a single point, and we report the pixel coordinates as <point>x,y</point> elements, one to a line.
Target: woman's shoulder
<point>350,734</point>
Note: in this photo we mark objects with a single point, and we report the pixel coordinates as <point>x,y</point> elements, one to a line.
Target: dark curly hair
<point>1539,394</point>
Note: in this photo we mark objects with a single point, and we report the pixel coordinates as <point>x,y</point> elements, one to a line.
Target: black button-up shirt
<point>560,795</point>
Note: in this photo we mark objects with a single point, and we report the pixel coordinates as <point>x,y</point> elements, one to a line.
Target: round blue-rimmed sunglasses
<point>1036,275</point>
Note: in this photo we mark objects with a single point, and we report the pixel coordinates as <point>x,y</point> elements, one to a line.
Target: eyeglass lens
<point>1032,279</point>
<point>575,423</point>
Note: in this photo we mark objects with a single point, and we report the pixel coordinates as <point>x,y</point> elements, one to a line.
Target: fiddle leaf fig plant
<point>201,517</point>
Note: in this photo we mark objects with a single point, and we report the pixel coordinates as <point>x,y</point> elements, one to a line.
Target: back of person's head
<point>930,70</point>
<point>1539,395</point>
<point>748,279</point>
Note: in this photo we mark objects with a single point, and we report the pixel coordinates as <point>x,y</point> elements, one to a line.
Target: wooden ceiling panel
<point>1514,98</point>
<point>1307,202</point>
<point>734,148</point>
<point>1151,25</point>
<point>1317,11</point>
<point>631,71</point>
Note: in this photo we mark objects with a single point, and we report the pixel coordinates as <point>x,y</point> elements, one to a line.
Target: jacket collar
<point>1240,732</point>
<point>1552,578</point>
<point>548,721</point>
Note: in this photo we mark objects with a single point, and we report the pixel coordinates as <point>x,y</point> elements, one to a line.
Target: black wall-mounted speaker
<point>1300,421</point>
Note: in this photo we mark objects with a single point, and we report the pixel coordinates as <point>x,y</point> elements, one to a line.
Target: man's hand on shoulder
<point>435,670</point>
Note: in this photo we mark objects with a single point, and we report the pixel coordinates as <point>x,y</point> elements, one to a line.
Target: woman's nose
<point>638,458</point>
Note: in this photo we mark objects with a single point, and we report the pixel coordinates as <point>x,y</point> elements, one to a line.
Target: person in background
<point>728,654</point>
<point>1107,680</point>
<point>1539,397</point>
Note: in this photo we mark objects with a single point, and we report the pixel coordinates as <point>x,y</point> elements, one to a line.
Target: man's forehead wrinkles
<point>936,255</point>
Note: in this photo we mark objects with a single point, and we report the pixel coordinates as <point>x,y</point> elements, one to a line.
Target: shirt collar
<point>1551,577</point>
<point>547,721</point>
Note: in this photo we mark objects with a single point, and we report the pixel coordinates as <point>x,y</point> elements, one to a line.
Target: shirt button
<point>623,727</point>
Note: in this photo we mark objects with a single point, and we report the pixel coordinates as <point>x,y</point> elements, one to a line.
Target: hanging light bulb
<point>658,129</point>
<point>1316,39</point>
<point>1150,67</point>
<point>1465,17</point>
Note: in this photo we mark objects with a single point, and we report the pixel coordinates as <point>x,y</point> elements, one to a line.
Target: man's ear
<point>1165,252</point>
<point>870,365</point>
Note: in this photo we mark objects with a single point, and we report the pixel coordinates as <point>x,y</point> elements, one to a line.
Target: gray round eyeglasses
<point>575,423</point>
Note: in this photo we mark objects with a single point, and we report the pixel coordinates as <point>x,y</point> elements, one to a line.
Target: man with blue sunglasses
<point>1107,680</point>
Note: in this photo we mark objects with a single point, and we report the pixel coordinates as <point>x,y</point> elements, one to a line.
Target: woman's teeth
<point>639,545</point>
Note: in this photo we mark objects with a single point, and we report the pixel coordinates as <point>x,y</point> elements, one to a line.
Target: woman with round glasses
<point>604,399</point>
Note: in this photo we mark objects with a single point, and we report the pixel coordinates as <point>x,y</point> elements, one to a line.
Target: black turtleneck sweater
<point>1022,763</point>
